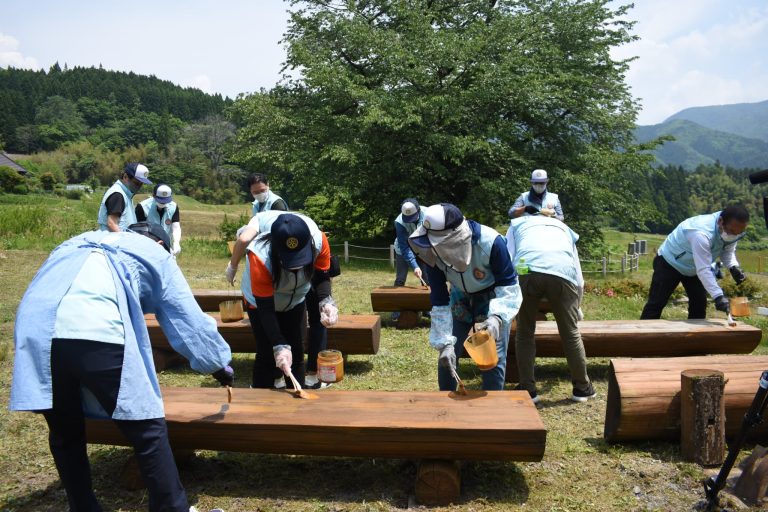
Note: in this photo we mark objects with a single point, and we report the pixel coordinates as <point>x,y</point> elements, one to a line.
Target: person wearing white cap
<point>116,211</point>
<point>162,210</point>
<point>538,200</point>
<point>410,219</point>
<point>484,288</point>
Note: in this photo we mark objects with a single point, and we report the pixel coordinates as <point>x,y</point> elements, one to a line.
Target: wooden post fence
<point>346,252</point>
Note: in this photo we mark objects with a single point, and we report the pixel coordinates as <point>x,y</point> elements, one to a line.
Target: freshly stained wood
<point>644,395</point>
<point>352,334</point>
<point>494,425</point>
<point>209,299</point>
<point>400,298</point>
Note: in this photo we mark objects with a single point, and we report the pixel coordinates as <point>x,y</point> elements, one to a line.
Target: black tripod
<point>753,417</point>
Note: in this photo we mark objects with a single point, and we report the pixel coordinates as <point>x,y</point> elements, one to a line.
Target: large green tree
<point>451,101</point>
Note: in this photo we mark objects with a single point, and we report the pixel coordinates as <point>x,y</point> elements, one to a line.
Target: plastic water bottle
<point>521,267</point>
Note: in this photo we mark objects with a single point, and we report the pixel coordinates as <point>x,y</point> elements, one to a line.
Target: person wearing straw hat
<point>548,248</point>
<point>287,256</point>
<point>538,200</point>
<point>162,210</point>
<point>484,288</point>
<point>116,210</point>
<point>82,349</point>
<point>410,219</point>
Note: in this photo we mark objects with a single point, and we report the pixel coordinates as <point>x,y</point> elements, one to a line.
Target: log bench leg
<point>164,359</point>
<point>408,319</point>
<point>438,482</point>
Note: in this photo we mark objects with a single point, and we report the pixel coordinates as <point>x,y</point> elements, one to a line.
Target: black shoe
<point>534,395</point>
<point>583,396</point>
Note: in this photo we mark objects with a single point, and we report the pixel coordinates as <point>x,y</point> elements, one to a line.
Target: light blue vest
<point>293,286</point>
<point>546,245</point>
<point>479,275</point>
<point>550,200</point>
<point>272,198</point>
<point>150,212</point>
<point>676,250</point>
<point>410,227</point>
<point>128,216</point>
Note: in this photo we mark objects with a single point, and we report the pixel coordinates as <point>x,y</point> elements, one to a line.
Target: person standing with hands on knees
<point>686,256</point>
<point>286,256</point>
<point>82,347</point>
<point>162,210</point>
<point>116,210</point>
<point>475,260</point>
<point>538,200</point>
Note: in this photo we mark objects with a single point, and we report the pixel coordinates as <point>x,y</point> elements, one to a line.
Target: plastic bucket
<point>481,347</point>
<point>231,310</point>
<point>740,306</point>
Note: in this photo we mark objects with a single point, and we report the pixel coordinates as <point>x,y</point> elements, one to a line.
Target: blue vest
<point>150,212</point>
<point>676,250</point>
<point>549,200</point>
<point>272,198</point>
<point>410,227</point>
<point>293,286</point>
<point>479,275</point>
<point>546,245</point>
<point>128,216</point>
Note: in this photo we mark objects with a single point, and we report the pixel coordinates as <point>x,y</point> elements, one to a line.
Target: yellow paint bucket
<point>481,347</point>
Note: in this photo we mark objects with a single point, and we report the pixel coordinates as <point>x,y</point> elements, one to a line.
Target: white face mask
<point>539,188</point>
<point>261,197</point>
<point>161,206</point>
<point>727,237</point>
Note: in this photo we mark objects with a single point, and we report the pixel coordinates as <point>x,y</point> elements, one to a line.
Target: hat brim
<point>411,218</point>
<point>539,180</point>
<point>163,200</point>
<point>296,259</point>
<point>425,238</point>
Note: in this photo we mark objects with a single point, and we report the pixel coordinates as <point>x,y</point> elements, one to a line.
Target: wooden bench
<point>208,299</point>
<point>408,300</point>
<point>495,425</point>
<point>644,395</point>
<point>644,338</point>
<point>352,334</point>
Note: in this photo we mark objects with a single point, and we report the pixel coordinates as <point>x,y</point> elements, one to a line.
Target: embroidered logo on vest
<point>479,274</point>
<point>168,221</point>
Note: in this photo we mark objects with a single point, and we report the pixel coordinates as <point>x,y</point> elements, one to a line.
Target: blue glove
<point>225,376</point>
<point>738,275</point>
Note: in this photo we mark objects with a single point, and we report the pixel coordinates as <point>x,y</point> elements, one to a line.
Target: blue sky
<point>690,52</point>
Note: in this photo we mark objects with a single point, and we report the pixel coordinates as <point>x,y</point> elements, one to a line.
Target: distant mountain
<point>746,119</point>
<point>696,144</point>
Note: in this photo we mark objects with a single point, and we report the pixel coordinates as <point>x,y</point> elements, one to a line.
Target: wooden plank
<point>493,425</point>
<point>400,298</point>
<point>209,299</point>
<point>352,334</point>
<point>643,400</point>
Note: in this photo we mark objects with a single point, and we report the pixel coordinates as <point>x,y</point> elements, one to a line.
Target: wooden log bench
<point>643,400</point>
<point>495,425</point>
<point>352,334</point>
<point>408,300</point>
<point>644,338</point>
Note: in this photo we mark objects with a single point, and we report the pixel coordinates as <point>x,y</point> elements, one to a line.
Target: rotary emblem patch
<point>168,221</point>
<point>292,243</point>
<point>479,274</point>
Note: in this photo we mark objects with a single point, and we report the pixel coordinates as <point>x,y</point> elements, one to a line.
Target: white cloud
<point>202,82</point>
<point>10,57</point>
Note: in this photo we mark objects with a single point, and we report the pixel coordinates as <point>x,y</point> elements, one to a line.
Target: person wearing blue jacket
<point>82,348</point>
<point>484,288</point>
<point>686,256</point>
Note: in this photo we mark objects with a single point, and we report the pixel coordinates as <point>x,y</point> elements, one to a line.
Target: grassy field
<point>580,471</point>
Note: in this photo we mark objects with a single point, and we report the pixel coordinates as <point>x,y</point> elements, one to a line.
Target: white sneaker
<point>194,509</point>
<point>279,383</point>
<point>312,382</point>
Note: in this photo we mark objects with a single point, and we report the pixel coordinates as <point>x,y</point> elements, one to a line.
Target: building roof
<point>6,160</point>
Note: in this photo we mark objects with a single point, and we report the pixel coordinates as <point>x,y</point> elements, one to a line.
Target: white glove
<point>580,314</point>
<point>329,312</point>
<point>548,212</point>
<point>283,357</point>
<point>417,272</point>
<point>231,272</point>
<point>176,249</point>
<point>493,325</point>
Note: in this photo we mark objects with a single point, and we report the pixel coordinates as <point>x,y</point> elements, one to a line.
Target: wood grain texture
<point>209,299</point>
<point>643,400</point>
<point>352,334</point>
<point>495,425</point>
<point>400,298</point>
<point>702,416</point>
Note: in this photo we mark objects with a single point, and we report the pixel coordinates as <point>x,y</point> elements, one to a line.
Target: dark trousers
<point>97,367</point>
<point>664,281</point>
<point>317,334</point>
<point>264,364</point>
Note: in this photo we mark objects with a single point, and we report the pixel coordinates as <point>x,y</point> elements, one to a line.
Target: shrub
<point>10,179</point>
<point>73,194</point>
<point>749,288</point>
<point>228,227</point>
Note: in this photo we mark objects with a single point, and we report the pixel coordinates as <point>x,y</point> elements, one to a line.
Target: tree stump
<point>408,319</point>
<point>438,482</point>
<point>753,482</point>
<point>702,416</point>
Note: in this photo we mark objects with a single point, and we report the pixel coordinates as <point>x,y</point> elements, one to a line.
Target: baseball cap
<point>539,176</point>
<point>163,193</point>
<point>292,240</point>
<point>138,171</point>
<point>152,231</point>
<point>410,210</point>
<point>439,221</point>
